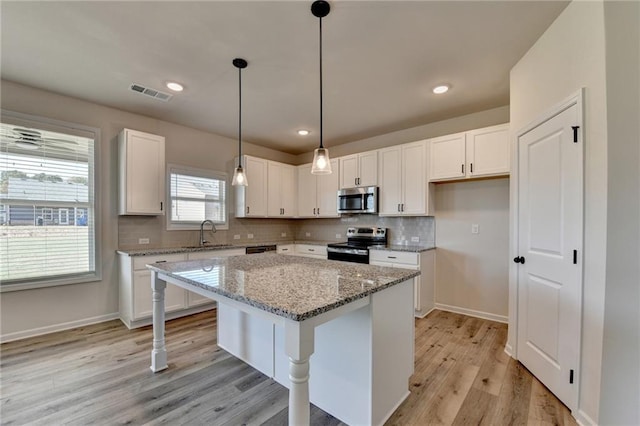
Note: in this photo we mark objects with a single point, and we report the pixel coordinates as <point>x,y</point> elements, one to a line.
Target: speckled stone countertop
<point>402,247</point>
<point>213,247</point>
<point>293,287</point>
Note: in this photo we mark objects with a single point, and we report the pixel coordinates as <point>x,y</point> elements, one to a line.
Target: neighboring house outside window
<point>196,195</point>
<point>48,222</point>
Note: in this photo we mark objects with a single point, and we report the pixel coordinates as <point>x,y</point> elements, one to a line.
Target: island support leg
<point>299,348</point>
<point>159,351</point>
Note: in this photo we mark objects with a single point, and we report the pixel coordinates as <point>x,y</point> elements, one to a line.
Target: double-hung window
<point>196,195</point>
<point>48,202</point>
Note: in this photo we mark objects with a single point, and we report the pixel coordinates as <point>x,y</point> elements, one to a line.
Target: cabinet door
<point>390,175</point>
<point>447,157</point>
<point>368,168</point>
<point>414,179</point>
<point>327,197</point>
<point>348,171</point>
<point>288,191</point>
<point>174,296</point>
<point>306,192</point>
<point>142,173</point>
<point>256,191</point>
<point>488,151</point>
<point>274,189</point>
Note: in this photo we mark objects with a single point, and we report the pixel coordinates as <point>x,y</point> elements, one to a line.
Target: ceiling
<point>381,60</point>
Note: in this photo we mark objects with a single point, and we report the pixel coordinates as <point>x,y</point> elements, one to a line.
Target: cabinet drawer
<point>310,249</point>
<point>395,257</point>
<point>141,261</point>
<point>285,249</point>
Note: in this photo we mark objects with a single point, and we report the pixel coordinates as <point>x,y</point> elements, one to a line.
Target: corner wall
<point>568,56</point>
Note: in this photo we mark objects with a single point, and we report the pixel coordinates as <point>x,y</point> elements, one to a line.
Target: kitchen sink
<point>207,246</point>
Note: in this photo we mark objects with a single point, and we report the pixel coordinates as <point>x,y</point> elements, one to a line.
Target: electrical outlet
<point>283,234</point>
<point>236,237</point>
<point>338,235</point>
<point>143,241</point>
<point>415,239</point>
<point>308,234</point>
<point>475,228</point>
<point>250,236</point>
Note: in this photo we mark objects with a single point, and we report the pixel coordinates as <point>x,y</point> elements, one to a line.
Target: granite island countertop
<point>292,287</point>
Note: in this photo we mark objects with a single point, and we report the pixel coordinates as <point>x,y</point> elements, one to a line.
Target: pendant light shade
<point>239,176</point>
<point>321,163</point>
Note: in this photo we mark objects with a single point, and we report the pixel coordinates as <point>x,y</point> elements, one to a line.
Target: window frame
<point>44,123</point>
<point>203,173</point>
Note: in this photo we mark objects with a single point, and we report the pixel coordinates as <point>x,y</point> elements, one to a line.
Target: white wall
<point>620,391</point>
<point>568,56</point>
<point>472,270</point>
<point>50,308</point>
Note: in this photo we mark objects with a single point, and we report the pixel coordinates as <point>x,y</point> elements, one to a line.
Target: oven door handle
<point>362,252</point>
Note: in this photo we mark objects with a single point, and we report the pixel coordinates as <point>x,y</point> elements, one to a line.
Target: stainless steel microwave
<point>358,200</point>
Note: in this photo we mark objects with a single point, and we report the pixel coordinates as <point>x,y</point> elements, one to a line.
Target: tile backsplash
<point>401,229</point>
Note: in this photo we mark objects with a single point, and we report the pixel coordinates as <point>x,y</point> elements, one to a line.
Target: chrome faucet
<point>213,229</point>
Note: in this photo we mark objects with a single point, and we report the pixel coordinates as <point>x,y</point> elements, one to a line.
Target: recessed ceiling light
<point>441,89</point>
<point>303,132</point>
<point>176,87</point>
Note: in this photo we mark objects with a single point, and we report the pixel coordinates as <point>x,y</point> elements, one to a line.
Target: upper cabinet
<point>251,200</point>
<point>476,153</point>
<point>141,173</point>
<point>281,194</point>
<point>359,170</point>
<point>318,194</point>
<point>404,190</point>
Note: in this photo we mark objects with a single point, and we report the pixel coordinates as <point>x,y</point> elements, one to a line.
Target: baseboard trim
<point>583,419</point>
<point>508,350</point>
<point>419,315</point>
<point>19,335</point>
<point>473,313</point>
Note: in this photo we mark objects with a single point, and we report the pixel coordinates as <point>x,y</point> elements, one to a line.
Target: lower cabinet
<point>135,288</point>
<point>423,288</point>
<point>311,250</point>
<point>286,249</point>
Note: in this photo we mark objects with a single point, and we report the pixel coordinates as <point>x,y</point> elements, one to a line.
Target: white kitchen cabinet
<point>476,153</point>
<point>141,173</point>
<point>286,249</point>
<point>251,200</point>
<point>423,288</point>
<point>318,194</point>
<point>282,190</point>
<point>135,289</point>
<point>359,170</point>
<point>311,250</point>
<point>404,190</point>
<point>194,299</point>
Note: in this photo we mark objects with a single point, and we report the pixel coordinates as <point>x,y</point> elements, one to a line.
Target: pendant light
<point>239,176</point>
<point>321,164</point>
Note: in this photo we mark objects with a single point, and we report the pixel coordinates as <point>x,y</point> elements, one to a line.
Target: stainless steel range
<point>356,249</point>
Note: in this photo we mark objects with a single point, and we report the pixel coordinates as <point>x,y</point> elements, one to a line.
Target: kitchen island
<point>276,311</point>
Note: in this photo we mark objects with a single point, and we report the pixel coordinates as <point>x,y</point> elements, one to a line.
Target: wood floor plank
<point>99,374</point>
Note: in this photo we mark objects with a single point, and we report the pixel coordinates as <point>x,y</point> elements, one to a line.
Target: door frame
<point>511,347</point>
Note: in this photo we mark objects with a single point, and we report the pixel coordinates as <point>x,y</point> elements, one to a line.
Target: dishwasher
<point>260,249</point>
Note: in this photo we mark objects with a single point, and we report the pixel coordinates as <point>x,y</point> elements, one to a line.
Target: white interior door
<point>550,214</point>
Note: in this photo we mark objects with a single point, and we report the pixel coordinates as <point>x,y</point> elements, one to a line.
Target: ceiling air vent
<point>153,93</point>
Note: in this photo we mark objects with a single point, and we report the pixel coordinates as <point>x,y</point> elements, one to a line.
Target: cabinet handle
<point>463,169</point>
<point>391,257</point>
<point>355,181</point>
<point>284,249</point>
<point>398,207</point>
<point>311,249</point>
<point>471,167</point>
<point>247,209</point>
<point>160,205</point>
<point>161,261</point>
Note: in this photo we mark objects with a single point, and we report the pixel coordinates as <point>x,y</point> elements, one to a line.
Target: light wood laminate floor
<point>100,375</point>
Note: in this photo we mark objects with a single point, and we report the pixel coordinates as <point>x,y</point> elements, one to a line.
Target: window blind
<point>195,198</point>
<point>47,205</point>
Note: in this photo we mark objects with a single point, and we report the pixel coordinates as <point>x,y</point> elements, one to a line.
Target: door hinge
<point>571,376</point>
<point>575,133</point>
<point>575,257</point>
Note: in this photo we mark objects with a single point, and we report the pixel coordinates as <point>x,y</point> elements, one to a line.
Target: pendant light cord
<point>239,117</point>
<point>321,146</point>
